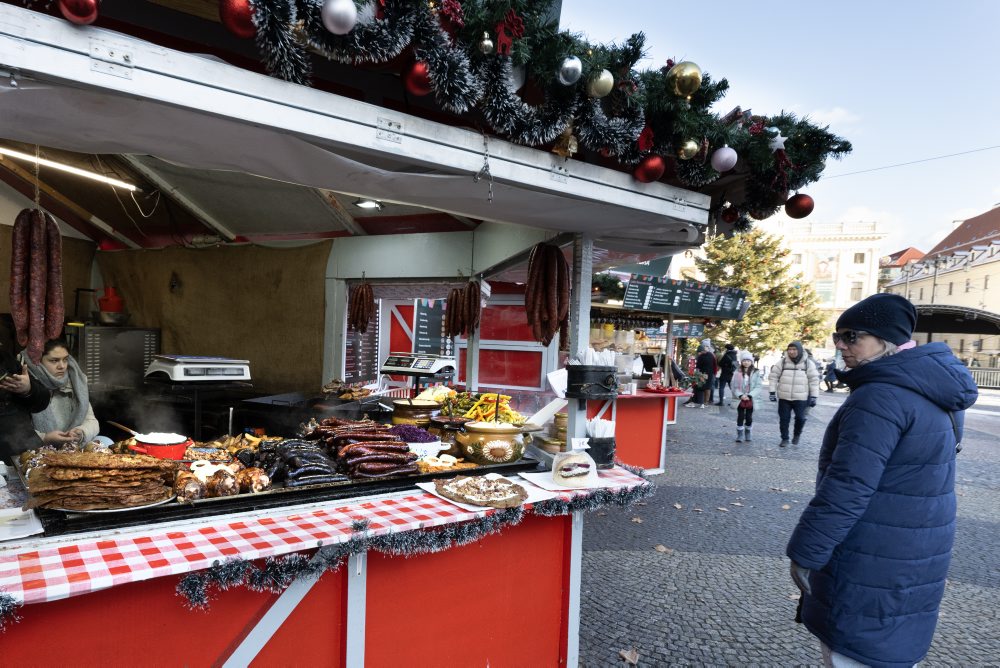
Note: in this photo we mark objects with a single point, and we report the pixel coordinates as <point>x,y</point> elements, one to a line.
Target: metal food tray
<point>59,523</point>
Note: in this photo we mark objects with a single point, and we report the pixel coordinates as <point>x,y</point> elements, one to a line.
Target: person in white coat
<point>794,384</point>
<point>745,387</point>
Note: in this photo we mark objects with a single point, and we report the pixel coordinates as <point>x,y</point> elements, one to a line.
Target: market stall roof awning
<point>950,319</point>
<point>98,92</point>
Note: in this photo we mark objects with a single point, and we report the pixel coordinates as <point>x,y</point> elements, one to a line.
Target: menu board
<point>362,363</point>
<point>683,330</point>
<point>428,328</point>
<point>692,298</point>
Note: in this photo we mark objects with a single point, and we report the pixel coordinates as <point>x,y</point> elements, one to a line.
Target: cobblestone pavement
<point>720,594</point>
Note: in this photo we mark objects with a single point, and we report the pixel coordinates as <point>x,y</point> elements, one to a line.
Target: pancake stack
<point>99,481</point>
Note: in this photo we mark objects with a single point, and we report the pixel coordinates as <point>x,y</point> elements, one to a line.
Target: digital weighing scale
<point>418,364</point>
<point>190,368</point>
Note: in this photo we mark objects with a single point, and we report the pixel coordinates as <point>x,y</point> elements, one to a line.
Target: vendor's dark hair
<point>55,343</point>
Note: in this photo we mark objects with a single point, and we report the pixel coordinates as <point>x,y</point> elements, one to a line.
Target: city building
<point>891,266</point>
<point>960,272</point>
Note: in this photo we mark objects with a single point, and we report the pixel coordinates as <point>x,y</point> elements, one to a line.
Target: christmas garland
<point>8,610</point>
<point>659,123</point>
<point>277,573</point>
<point>642,116</point>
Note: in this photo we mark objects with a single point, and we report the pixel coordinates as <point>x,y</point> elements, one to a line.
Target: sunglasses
<point>850,337</point>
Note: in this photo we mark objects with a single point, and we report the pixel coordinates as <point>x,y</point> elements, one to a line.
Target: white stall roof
<point>95,91</point>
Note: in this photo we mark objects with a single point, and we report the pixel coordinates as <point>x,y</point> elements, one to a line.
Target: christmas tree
<point>783,307</point>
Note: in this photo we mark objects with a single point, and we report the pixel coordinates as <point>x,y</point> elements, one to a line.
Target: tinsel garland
<point>510,116</point>
<point>284,56</point>
<point>277,573</point>
<point>377,41</point>
<point>615,135</point>
<point>456,87</point>
<point>8,610</point>
<point>695,174</point>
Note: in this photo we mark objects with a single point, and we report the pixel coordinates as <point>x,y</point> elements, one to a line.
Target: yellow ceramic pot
<point>491,443</point>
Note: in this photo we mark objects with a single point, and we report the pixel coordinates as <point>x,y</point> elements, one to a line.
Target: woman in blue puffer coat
<point>871,552</point>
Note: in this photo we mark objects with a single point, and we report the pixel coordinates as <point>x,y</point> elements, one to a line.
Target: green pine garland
<point>465,80</point>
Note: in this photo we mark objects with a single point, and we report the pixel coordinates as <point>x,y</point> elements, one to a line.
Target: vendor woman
<point>68,419</point>
<point>20,395</point>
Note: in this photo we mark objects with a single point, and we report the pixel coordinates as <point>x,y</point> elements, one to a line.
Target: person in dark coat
<point>705,362</point>
<point>871,551</point>
<point>20,396</point>
<point>727,366</point>
<point>830,375</point>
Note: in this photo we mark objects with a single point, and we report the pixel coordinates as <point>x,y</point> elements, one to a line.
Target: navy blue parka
<point>878,533</point>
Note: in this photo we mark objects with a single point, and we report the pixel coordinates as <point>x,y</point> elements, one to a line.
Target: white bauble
<point>339,16</point>
<point>724,159</point>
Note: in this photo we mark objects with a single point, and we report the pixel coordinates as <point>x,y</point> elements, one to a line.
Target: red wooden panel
<point>498,602</point>
<point>505,323</point>
<point>316,631</point>
<point>135,624</point>
<point>399,342</point>
<point>638,429</point>
<point>514,368</point>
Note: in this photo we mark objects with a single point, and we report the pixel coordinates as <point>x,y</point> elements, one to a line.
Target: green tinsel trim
<point>277,573</point>
<point>8,610</point>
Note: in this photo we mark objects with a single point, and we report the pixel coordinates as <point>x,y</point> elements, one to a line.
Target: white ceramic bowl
<point>431,449</point>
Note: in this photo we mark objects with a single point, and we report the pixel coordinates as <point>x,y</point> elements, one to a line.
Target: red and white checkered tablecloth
<point>73,568</point>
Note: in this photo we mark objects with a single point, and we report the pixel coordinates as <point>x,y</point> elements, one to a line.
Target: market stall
<point>314,525</point>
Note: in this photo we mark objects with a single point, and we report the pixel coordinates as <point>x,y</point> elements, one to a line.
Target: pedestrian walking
<point>745,387</point>
<point>830,375</point>
<point>871,551</point>
<point>794,384</point>
<point>706,364</point>
<point>727,367</point>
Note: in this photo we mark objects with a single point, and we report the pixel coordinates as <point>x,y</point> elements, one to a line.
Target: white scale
<point>190,368</point>
<point>418,364</point>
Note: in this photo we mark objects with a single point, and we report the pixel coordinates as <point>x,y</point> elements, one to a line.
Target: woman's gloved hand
<point>812,402</point>
<point>773,396</point>
<point>800,576</point>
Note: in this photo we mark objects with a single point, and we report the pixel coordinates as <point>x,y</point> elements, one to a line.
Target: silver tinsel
<point>279,572</point>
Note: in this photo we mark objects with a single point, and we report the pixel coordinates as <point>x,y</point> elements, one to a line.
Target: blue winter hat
<point>891,318</point>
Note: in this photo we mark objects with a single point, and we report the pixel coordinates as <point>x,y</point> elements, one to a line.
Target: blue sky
<point>902,81</point>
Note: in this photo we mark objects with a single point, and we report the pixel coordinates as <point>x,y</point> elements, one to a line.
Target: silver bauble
<point>601,84</point>
<point>339,16</point>
<point>570,71</point>
<point>518,75</point>
<point>486,44</point>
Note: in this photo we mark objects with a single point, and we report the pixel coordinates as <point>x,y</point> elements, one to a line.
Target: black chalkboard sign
<point>665,295</point>
<point>362,363</point>
<point>428,328</point>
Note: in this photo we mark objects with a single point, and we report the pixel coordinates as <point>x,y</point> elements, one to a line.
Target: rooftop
<point>977,231</point>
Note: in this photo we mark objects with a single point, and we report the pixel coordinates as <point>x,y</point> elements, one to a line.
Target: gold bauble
<point>688,149</point>
<point>684,79</point>
<point>600,84</point>
<point>566,144</point>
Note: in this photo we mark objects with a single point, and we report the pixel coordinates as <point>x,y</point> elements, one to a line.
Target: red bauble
<point>730,214</point>
<point>418,79</point>
<point>237,17</point>
<point>80,12</point>
<point>799,206</point>
<point>649,169</point>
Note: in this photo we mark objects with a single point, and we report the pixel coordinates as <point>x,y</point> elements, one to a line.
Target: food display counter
<point>460,598</point>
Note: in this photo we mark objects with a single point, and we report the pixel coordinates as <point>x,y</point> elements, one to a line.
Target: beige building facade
<point>965,278</point>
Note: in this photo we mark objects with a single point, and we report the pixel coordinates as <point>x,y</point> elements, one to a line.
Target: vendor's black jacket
<point>17,434</point>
